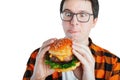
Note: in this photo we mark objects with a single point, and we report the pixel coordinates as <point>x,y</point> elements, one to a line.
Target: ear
<point>94,22</point>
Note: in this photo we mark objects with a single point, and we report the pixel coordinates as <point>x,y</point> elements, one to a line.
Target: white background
<point>25,24</point>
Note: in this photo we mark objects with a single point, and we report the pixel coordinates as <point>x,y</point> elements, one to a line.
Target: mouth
<point>72,31</point>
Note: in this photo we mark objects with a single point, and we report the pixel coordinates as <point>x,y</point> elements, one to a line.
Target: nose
<point>74,20</point>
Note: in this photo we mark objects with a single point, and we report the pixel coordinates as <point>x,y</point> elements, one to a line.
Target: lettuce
<point>54,65</point>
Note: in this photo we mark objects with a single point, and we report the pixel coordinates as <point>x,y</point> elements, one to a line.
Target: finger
<point>42,52</point>
<point>78,72</point>
<point>45,47</point>
<point>85,63</point>
<point>82,53</point>
<point>48,42</point>
<point>85,48</point>
<point>79,57</point>
<point>82,46</point>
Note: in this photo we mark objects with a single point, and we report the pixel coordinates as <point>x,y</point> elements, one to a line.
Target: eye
<point>68,14</point>
<point>83,14</point>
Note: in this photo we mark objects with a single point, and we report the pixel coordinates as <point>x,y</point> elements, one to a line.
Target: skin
<point>79,33</point>
<point>76,30</point>
<point>41,70</point>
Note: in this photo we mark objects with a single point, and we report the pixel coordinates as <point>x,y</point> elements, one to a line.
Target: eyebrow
<point>81,11</point>
<point>66,10</point>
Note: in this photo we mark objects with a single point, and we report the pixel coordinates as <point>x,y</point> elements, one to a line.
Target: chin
<point>74,38</point>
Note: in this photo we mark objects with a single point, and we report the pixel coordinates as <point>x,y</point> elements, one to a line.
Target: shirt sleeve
<point>30,65</point>
<point>115,75</point>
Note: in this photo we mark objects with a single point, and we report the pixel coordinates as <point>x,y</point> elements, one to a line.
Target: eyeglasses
<point>83,17</point>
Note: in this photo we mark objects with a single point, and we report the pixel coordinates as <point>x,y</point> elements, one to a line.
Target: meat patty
<point>67,59</point>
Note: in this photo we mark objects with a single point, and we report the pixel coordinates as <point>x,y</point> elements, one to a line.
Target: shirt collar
<point>91,46</point>
<point>90,42</point>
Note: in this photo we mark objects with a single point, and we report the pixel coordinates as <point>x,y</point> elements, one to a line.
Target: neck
<point>84,42</point>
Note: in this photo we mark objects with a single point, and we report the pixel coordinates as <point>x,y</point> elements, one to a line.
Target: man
<point>78,18</point>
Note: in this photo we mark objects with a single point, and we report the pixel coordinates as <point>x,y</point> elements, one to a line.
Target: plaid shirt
<point>107,65</point>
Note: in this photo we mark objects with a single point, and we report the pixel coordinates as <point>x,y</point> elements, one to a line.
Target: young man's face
<point>74,29</point>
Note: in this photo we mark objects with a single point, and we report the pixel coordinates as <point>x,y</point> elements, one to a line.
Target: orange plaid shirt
<point>107,65</point>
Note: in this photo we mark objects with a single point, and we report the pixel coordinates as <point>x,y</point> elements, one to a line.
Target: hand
<point>41,70</point>
<point>86,69</point>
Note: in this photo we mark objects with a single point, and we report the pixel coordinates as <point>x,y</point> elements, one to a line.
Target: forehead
<point>78,5</point>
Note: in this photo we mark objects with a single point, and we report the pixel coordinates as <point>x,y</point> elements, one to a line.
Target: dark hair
<point>95,7</point>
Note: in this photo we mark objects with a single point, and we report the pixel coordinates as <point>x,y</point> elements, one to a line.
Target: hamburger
<point>60,56</point>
